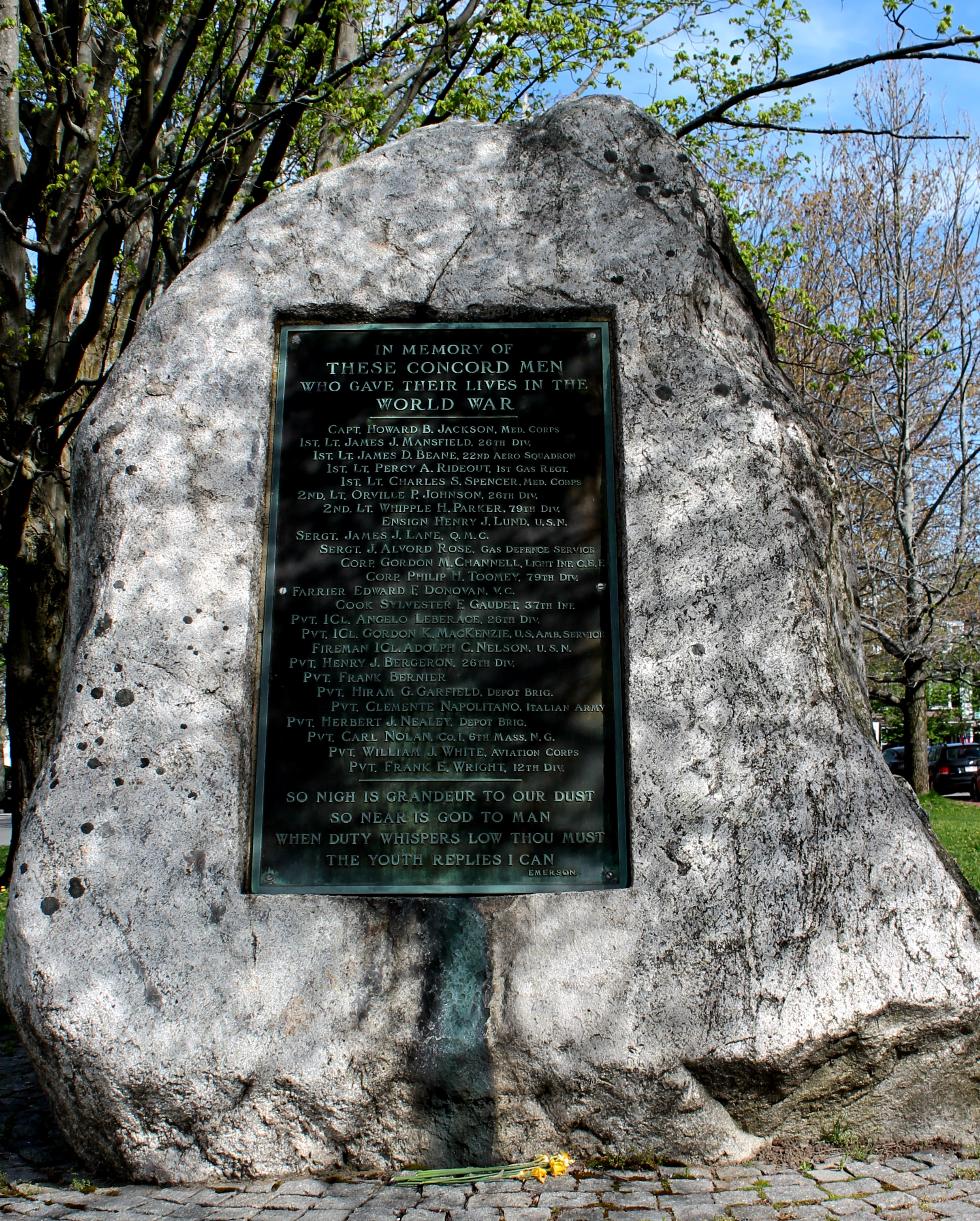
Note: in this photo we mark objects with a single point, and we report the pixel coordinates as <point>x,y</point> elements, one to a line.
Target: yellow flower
<point>559,1164</point>
<point>539,1173</point>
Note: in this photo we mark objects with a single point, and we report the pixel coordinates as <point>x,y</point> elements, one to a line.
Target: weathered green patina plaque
<point>440,704</point>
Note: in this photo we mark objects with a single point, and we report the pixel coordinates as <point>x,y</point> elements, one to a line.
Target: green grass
<point>839,1135</point>
<point>957,827</point>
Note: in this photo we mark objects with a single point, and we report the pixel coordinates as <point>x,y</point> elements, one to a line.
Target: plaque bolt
<point>283,589</point>
<point>601,588</point>
<point>294,341</point>
<point>608,875</point>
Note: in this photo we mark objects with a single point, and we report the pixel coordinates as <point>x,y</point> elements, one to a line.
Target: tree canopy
<point>878,296</point>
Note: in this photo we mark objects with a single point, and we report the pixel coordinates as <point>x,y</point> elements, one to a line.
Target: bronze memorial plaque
<point>441,702</point>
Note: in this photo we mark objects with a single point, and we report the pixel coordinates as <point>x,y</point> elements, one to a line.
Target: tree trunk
<point>916,718</point>
<point>38,590</point>
<point>13,256</point>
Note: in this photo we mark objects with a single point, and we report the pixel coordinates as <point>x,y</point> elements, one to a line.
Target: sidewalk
<point>926,1184</point>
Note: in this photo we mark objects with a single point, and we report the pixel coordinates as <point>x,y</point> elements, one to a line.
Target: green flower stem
<point>467,1174</point>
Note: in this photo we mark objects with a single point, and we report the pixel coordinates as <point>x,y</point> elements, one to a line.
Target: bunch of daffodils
<point>555,1164</point>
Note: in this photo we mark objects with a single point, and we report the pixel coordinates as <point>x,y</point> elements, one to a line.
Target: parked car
<point>956,769</point>
<point>894,756</point>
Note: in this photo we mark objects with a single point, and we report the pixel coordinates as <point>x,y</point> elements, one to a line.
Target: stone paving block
<point>394,1195</point>
<point>821,1175</point>
<point>588,1182</point>
<point>497,1187</point>
<point>872,1168</point>
<point>445,1195</point>
<point>850,1208</point>
<point>132,1214</point>
<point>963,1210</point>
<point>617,1200</point>
<point>789,1178</point>
<point>320,1213</point>
<point>692,1208</point>
<point>934,1157</point>
<point>647,1215</point>
<point>565,1199</point>
<point>856,1187</point>
<point>71,1199</point>
<point>730,1174</point>
<point>284,1202</point>
<point>574,1214</point>
<point>804,1212</point>
<point>220,1213</point>
<point>157,1208</point>
<point>904,1163</point>
<point>111,1206</point>
<point>900,1180</point>
<point>735,1195</point>
<point>792,1193</point>
<point>281,1210</point>
<point>217,1195</point>
<point>940,1192</point>
<point>477,1212</point>
<point>567,1184</point>
<point>512,1199</point>
<point>892,1199</point>
<point>677,1205</point>
<point>308,1186</point>
<point>690,1187</point>
<point>352,1191</point>
<point>754,1212</point>
<point>911,1214</point>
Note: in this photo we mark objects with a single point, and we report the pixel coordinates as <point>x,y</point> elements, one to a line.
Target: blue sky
<point>842,29</point>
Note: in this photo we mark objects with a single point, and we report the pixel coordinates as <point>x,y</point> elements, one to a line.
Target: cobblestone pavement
<point>41,1178</point>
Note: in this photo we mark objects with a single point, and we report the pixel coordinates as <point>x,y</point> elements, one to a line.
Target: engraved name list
<point>440,702</point>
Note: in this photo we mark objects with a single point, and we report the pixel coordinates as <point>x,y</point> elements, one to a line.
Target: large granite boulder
<point>794,950</point>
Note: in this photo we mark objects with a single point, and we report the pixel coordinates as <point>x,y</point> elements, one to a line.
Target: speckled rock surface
<point>793,950</point>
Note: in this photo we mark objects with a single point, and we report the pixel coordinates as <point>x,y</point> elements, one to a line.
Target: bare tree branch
<point>811,76</point>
